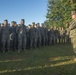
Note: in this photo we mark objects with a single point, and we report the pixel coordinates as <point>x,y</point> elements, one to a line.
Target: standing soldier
<point>43,35</point>
<point>67,33</point>
<point>59,37</point>
<point>49,36</point>
<point>46,35</point>
<point>39,35</point>
<point>21,31</point>
<point>33,36</point>
<point>0,35</point>
<point>5,31</point>
<point>56,34</point>
<point>73,30</point>
<point>13,36</point>
<point>52,35</point>
<point>62,34</point>
<point>28,36</point>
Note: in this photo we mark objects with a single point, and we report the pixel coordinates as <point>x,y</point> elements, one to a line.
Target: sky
<point>30,10</point>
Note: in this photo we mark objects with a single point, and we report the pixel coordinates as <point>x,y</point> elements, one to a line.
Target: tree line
<point>59,12</point>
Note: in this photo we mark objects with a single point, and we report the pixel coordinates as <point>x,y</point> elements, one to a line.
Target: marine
<point>13,36</point>
<point>21,31</point>
<point>5,32</point>
<point>72,28</point>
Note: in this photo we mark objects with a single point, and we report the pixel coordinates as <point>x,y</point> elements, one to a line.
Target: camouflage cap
<point>33,22</point>
<point>22,19</point>
<point>29,25</point>
<point>73,12</point>
<point>12,21</point>
<point>42,24</point>
<point>6,20</point>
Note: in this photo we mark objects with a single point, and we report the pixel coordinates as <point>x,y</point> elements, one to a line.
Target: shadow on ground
<point>51,60</point>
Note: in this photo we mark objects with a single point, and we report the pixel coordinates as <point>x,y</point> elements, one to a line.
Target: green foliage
<point>59,12</point>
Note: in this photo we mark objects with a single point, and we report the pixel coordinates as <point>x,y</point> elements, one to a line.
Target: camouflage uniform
<point>13,38</point>
<point>56,35</point>
<point>33,36</point>
<point>5,31</point>
<point>59,37</point>
<point>67,35</point>
<point>46,35</point>
<point>42,36</point>
<point>52,36</point>
<point>21,31</point>
<point>62,34</point>
<point>73,33</point>
<point>0,36</point>
<point>28,36</point>
<point>39,35</point>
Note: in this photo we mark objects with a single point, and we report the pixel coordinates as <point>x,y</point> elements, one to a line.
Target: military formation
<point>19,37</point>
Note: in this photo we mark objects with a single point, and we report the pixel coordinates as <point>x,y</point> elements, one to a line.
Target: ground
<point>50,60</point>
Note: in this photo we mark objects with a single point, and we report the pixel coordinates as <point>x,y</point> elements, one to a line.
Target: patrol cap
<point>6,20</point>
<point>13,22</point>
<point>22,19</point>
<point>38,23</point>
<point>29,25</point>
<point>73,12</point>
<point>42,24</point>
<point>33,23</point>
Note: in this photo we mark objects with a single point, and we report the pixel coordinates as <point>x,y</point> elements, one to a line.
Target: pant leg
<point>19,42</point>
<point>3,44</point>
<point>24,42</point>
<point>8,44</point>
<point>31,42</point>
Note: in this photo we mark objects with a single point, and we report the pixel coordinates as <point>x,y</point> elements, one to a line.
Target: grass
<point>50,60</point>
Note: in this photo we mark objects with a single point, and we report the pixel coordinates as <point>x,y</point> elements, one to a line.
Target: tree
<point>73,4</point>
<point>59,11</point>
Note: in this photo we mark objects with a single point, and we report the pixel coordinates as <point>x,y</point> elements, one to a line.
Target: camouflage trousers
<point>52,39</point>
<point>62,39</point>
<point>5,43</point>
<point>43,40</point>
<point>33,42</point>
<point>39,41</point>
<point>21,42</point>
<point>73,39</point>
<point>68,40</point>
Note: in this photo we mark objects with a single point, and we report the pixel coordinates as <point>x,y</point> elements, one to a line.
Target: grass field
<point>50,60</point>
